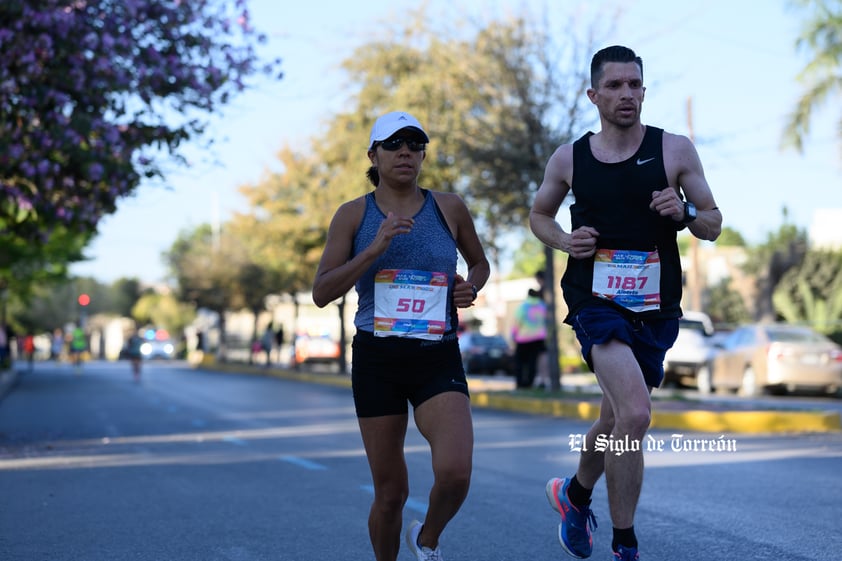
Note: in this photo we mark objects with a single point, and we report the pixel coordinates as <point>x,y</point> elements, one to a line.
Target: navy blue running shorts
<point>388,372</point>
<point>648,339</point>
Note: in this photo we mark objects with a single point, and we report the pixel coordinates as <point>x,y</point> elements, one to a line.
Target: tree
<point>163,311</point>
<point>125,293</point>
<point>782,251</point>
<point>812,292</point>
<point>529,258</point>
<point>25,266</point>
<point>96,95</point>
<point>730,238</point>
<point>725,305</point>
<point>822,75</point>
<point>286,226</point>
<point>495,104</point>
<point>205,266</point>
<point>254,283</point>
<point>53,303</point>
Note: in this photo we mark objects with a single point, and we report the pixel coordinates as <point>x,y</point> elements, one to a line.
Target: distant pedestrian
<point>530,336</point>
<point>266,343</point>
<point>78,345</point>
<point>57,345</point>
<point>4,346</point>
<point>135,354</point>
<point>279,340</point>
<point>29,350</point>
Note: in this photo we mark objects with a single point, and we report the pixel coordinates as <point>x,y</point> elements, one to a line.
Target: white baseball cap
<point>390,123</point>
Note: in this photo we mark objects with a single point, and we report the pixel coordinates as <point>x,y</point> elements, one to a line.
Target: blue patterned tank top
<point>429,246</point>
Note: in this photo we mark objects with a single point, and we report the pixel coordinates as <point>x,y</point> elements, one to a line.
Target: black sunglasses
<point>393,144</point>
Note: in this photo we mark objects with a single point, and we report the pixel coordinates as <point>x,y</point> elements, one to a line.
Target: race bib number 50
<point>629,278</point>
<point>410,303</point>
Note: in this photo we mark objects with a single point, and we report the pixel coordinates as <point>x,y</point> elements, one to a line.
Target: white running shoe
<point>421,553</point>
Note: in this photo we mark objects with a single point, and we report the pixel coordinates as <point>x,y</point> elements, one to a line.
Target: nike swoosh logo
<point>646,161</point>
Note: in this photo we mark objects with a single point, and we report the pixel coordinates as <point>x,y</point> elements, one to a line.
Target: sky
<point>734,63</point>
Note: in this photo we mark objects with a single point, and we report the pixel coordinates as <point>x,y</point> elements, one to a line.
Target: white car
<point>692,351</point>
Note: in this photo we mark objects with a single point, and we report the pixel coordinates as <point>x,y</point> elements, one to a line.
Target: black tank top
<point>614,199</point>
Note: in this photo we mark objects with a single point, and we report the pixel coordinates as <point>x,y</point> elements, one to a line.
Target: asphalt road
<point>198,465</point>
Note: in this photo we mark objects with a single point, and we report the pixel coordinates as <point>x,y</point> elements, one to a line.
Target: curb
<point>696,420</point>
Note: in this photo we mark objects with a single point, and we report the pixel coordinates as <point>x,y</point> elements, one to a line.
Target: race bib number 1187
<point>629,278</point>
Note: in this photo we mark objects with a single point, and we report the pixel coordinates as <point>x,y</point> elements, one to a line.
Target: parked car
<point>778,358</point>
<point>486,354</point>
<point>318,348</point>
<point>691,351</point>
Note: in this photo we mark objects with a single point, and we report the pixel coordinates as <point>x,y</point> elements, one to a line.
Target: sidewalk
<point>580,399</point>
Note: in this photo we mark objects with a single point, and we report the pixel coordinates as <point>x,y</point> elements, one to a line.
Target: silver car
<point>778,358</point>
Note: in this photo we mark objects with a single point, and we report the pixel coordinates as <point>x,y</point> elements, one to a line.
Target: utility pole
<point>549,294</point>
<point>693,280</point>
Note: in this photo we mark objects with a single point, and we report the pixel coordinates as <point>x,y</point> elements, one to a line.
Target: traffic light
<point>84,300</point>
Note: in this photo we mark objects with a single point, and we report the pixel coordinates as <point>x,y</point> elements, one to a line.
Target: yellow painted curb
<point>693,420</point>
<point>747,422</point>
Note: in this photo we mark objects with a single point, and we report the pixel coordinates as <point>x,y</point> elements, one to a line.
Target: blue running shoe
<point>626,554</point>
<point>574,532</point>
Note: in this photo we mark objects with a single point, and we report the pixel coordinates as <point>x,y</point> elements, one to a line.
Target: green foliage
<point>25,265</point>
<point>725,306</point>
<point>286,227</point>
<point>769,262</point>
<point>55,304</point>
<point>730,238</point>
<point>529,258</point>
<point>96,96</point>
<point>204,264</point>
<point>493,101</point>
<point>821,36</point>
<point>812,293</point>
<point>125,292</point>
<point>163,310</point>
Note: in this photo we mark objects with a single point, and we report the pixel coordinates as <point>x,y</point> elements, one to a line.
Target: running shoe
<point>574,532</point>
<point>421,553</point>
<point>626,554</point>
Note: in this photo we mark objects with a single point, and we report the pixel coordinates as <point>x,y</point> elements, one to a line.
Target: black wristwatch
<point>474,290</point>
<point>689,213</point>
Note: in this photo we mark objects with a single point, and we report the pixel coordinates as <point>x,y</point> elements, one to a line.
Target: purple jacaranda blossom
<point>95,171</point>
<point>15,151</point>
<point>88,97</point>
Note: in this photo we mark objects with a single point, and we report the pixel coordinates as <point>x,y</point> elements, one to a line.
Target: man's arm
<point>558,174</point>
<point>684,170</point>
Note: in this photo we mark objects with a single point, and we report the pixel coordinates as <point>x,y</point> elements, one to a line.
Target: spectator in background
<point>266,343</point>
<point>28,348</point>
<point>279,340</point>
<point>4,345</point>
<point>57,344</point>
<point>543,377</point>
<point>530,336</point>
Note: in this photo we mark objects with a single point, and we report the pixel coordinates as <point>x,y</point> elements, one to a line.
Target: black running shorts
<point>388,372</point>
